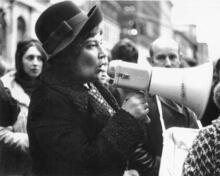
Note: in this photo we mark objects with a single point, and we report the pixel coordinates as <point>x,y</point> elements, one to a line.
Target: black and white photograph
<point>109,88</point>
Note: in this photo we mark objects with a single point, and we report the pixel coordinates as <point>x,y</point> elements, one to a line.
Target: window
<point>142,28</point>
<point>150,28</point>
<point>21,27</point>
<point>2,33</point>
<point>129,9</point>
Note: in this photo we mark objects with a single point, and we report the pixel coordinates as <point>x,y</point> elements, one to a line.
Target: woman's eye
<point>92,45</point>
<point>30,57</point>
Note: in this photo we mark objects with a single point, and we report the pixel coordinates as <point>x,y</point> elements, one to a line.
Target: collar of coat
<point>16,90</point>
<point>78,93</point>
<point>181,111</point>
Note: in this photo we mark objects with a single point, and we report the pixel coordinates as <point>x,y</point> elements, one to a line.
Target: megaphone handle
<point>160,113</point>
<point>143,93</point>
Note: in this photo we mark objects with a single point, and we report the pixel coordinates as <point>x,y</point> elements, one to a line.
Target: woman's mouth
<point>35,70</point>
<point>98,70</point>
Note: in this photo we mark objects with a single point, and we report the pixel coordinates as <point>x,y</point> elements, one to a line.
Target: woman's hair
<point>22,47</point>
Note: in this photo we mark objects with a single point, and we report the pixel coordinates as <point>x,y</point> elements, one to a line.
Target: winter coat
<point>8,107</point>
<point>14,138</point>
<point>71,134</point>
<point>8,114</point>
<point>204,156</point>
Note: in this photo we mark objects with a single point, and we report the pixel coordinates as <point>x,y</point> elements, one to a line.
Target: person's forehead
<point>165,50</point>
<point>32,50</point>
<point>97,37</point>
<point>165,45</point>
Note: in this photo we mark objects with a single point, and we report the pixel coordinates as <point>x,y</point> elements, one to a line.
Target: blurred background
<point>191,23</point>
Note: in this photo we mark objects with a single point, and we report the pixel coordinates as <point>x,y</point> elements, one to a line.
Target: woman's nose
<point>101,47</point>
<point>35,60</point>
<point>101,54</point>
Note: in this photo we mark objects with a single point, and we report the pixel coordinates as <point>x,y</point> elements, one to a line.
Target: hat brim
<point>94,19</point>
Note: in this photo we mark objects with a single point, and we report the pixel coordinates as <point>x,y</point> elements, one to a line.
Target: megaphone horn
<point>188,86</point>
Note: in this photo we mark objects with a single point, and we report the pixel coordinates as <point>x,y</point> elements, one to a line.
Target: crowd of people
<point>60,115</point>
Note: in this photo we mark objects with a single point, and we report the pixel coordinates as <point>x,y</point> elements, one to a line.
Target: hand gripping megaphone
<point>188,86</point>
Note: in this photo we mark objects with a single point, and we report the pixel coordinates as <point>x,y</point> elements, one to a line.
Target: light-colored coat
<point>21,97</point>
<point>14,139</point>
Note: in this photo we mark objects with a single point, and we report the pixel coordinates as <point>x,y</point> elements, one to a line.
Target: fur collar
<point>78,93</point>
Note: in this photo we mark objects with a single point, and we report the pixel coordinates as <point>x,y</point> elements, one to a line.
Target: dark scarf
<point>27,83</point>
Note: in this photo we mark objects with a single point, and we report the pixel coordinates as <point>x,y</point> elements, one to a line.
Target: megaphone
<point>187,86</point>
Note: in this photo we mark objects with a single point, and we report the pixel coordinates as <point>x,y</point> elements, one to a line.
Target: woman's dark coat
<point>71,135</point>
<point>8,107</point>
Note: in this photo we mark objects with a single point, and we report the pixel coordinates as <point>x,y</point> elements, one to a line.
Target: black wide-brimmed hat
<point>62,23</point>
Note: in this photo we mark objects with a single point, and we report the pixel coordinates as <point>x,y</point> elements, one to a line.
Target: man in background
<point>165,52</point>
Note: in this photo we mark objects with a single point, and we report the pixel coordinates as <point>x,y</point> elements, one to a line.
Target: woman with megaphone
<point>75,125</point>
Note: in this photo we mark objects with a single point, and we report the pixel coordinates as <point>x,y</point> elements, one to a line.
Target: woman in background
<point>29,61</point>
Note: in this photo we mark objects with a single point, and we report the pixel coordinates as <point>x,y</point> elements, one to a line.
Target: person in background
<point>75,126</point>
<point>204,156</point>
<point>124,50</point>
<point>212,111</point>
<point>164,52</point>
<point>30,59</point>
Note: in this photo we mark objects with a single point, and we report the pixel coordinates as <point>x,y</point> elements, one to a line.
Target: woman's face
<point>89,58</point>
<point>32,62</point>
<point>103,68</point>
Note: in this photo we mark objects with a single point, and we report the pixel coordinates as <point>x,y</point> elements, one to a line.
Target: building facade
<point>202,53</point>
<point>144,21</point>
<point>141,21</point>
<point>194,53</point>
<point>17,21</point>
<point>188,48</point>
<point>110,24</point>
